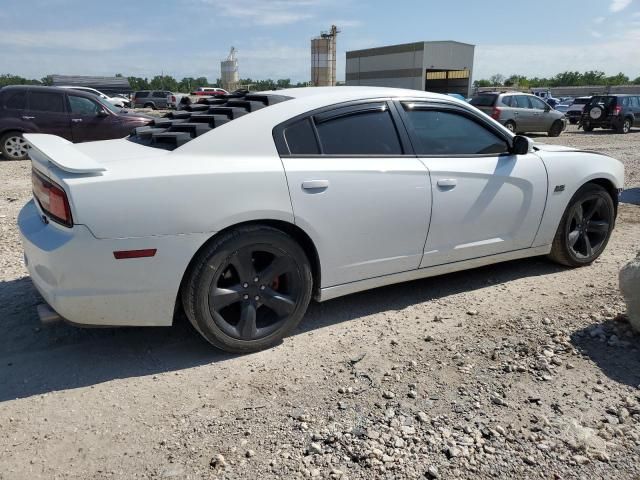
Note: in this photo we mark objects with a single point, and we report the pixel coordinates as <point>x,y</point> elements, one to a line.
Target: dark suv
<point>151,99</point>
<point>76,116</point>
<point>617,112</point>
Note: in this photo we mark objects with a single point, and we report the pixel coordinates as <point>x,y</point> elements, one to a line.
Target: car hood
<point>129,115</point>
<point>545,147</point>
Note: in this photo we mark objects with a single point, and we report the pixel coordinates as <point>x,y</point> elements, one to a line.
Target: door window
<point>16,100</point>
<point>508,101</point>
<point>46,102</point>
<point>522,101</point>
<point>158,94</point>
<point>364,132</point>
<point>301,139</point>
<point>83,106</point>
<point>537,103</point>
<point>441,132</point>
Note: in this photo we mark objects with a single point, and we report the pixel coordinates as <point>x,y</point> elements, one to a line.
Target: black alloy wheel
<point>255,292</point>
<point>247,288</point>
<point>589,227</point>
<point>585,227</point>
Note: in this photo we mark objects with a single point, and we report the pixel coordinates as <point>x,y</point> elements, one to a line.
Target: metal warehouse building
<point>441,67</point>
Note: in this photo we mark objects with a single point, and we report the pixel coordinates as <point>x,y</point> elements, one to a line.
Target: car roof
<point>48,89</point>
<point>353,93</point>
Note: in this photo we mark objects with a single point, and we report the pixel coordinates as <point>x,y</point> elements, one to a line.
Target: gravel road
<point>518,370</point>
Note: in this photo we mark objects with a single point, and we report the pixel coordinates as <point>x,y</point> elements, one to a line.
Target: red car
<point>71,114</point>
<point>209,91</point>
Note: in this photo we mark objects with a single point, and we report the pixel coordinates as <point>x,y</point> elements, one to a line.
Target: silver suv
<point>521,112</point>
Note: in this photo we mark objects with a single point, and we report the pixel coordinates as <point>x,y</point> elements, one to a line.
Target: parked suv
<point>617,112</point>
<point>75,115</point>
<point>521,112</point>
<point>151,99</point>
<point>574,112</point>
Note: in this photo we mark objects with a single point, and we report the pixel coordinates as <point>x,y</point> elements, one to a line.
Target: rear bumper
<point>608,122</point>
<point>79,277</point>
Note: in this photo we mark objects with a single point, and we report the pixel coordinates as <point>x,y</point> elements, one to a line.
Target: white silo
<point>323,58</point>
<point>229,68</point>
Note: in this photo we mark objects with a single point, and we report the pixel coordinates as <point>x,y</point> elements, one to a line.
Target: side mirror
<point>521,145</point>
<point>102,114</point>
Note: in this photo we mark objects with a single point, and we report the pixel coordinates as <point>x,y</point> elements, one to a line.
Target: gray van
<point>521,112</point>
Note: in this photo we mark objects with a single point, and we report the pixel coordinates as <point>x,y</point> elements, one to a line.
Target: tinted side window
<point>142,94</point>
<point>46,102</point>
<point>360,133</point>
<point>636,101</point>
<point>449,133</point>
<point>16,100</point>
<point>158,94</point>
<point>83,106</point>
<point>301,138</point>
<point>522,101</point>
<point>537,103</point>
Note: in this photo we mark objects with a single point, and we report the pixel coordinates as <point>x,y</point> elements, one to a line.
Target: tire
<point>150,105</point>
<point>573,121</point>
<point>587,128</point>
<point>589,202</point>
<point>511,126</point>
<point>624,127</point>
<point>556,129</point>
<point>13,146</point>
<point>226,302</point>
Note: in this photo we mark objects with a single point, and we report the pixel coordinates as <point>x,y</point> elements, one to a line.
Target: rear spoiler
<point>62,153</point>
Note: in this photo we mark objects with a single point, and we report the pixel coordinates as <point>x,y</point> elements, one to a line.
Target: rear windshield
<point>483,100</point>
<point>581,101</point>
<point>603,100</point>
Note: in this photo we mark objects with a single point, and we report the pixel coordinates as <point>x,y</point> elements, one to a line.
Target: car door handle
<point>76,120</point>
<point>27,117</point>
<point>447,183</point>
<point>315,184</point>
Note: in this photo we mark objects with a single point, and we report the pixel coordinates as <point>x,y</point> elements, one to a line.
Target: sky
<point>189,38</point>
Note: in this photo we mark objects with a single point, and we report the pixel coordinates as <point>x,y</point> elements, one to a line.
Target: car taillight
<point>617,110</point>
<point>52,199</point>
<point>495,113</point>
<point>173,98</point>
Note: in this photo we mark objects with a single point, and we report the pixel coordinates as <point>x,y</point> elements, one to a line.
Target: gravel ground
<point>518,370</point>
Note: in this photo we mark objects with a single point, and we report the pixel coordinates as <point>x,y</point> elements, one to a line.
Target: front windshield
<point>111,106</point>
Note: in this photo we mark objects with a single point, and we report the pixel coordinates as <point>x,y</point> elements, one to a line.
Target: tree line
<point>164,82</point>
<point>188,84</point>
<point>564,79</point>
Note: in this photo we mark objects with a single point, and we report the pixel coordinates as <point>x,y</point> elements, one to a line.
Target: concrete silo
<point>323,58</point>
<point>229,69</point>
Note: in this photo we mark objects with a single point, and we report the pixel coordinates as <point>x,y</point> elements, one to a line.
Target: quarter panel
<point>568,171</point>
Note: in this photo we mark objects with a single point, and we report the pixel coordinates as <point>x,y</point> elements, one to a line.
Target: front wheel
<point>625,127</point>
<point>585,227</point>
<point>248,289</point>
<point>556,129</point>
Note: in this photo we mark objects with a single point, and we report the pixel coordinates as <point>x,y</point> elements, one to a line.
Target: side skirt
<point>370,283</point>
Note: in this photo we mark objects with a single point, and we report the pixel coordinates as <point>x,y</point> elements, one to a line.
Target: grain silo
<point>230,75</point>
<point>323,58</point>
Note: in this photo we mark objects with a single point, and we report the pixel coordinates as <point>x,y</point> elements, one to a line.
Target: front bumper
<point>79,277</point>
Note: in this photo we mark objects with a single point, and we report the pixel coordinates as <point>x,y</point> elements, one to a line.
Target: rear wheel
<point>13,146</point>
<point>585,228</point>
<point>149,105</point>
<point>556,129</point>
<point>511,125</point>
<point>248,289</point>
<point>587,127</point>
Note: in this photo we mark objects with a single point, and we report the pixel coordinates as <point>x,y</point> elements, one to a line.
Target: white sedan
<point>242,210</point>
